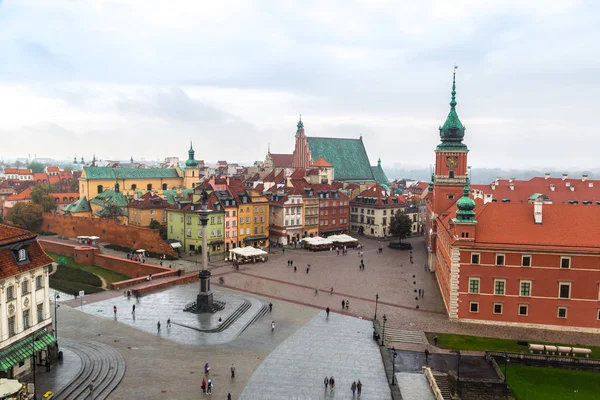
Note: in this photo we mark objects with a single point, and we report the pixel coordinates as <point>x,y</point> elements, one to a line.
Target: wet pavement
<point>337,346</point>
<point>414,386</point>
<point>60,374</point>
<point>470,366</point>
<point>186,328</point>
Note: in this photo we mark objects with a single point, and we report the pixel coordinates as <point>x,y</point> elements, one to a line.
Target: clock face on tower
<point>451,162</point>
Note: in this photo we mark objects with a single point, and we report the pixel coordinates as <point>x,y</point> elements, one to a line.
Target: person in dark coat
<point>359,387</point>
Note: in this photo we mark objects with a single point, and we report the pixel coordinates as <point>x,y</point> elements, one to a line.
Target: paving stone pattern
<point>339,345</point>
<point>414,386</point>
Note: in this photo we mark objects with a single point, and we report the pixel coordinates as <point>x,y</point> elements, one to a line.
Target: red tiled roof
<point>53,169</point>
<point>10,235</point>
<point>61,197</point>
<point>270,176</point>
<point>149,200</point>
<point>565,226</point>
<point>260,187</point>
<point>19,171</point>
<point>522,190</point>
<point>41,176</point>
<point>377,196</point>
<point>24,195</point>
<point>298,173</point>
<point>281,160</point>
<point>321,162</point>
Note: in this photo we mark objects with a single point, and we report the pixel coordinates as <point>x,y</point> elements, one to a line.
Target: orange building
<point>528,263</point>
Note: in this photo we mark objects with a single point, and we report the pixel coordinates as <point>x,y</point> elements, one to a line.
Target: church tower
<point>450,159</point>
<point>192,172</point>
<point>301,158</point>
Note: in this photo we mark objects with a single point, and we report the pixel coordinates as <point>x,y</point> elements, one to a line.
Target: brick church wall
<point>109,231</point>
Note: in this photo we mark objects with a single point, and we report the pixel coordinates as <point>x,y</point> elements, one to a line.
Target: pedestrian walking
<point>206,368</point>
<point>272,326</point>
<point>115,311</point>
<point>294,269</point>
<point>228,396</point>
<point>316,291</point>
<point>282,250</point>
<point>91,388</point>
<point>307,268</point>
<point>435,340</point>
<point>327,311</point>
<point>326,382</point>
<point>419,292</point>
<point>422,292</point>
<point>133,309</point>
<point>203,386</point>
<point>209,386</point>
<point>338,250</point>
<point>347,304</point>
<point>232,371</point>
<point>158,326</point>
<point>270,307</point>
<point>426,356</point>
<point>169,323</point>
<point>331,383</point>
<point>331,291</point>
<point>359,387</point>
<point>343,304</point>
<point>353,388</point>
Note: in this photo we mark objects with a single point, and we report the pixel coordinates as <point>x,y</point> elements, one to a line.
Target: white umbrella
<point>8,387</point>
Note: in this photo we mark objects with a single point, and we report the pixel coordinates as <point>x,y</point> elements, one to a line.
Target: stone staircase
<point>399,335</point>
<point>442,382</point>
<point>99,362</point>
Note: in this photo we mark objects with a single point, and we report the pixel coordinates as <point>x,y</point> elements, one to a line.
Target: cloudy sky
<point>141,78</point>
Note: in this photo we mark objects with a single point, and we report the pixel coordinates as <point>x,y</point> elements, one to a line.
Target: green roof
<point>453,131</point>
<point>129,173</point>
<point>170,195</point>
<point>348,157</point>
<point>379,175</point>
<point>111,212</point>
<point>80,205</point>
<point>22,350</point>
<point>108,197</point>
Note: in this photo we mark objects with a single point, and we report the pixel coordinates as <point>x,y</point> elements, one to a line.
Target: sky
<point>141,78</point>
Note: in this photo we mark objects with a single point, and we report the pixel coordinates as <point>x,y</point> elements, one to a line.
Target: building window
<point>562,312</point>
<point>475,258</point>
<point>40,312</point>
<point>474,307</point>
<point>24,287</point>
<point>564,290</point>
<point>22,255</point>
<point>189,232</point>
<point>450,174</point>
<point>474,285</point>
<point>99,188</point>
<point>38,282</point>
<point>497,308</point>
<point>499,259</point>
<point>151,212</point>
<point>526,261</point>
<point>189,220</point>
<point>525,289</point>
<point>26,324</point>
<point>149,186</point>
<point>242,220</point>
<point>133,187</point>
<point>11,326</point>
<point>10,293</point>
<point>247,231</point>
<point>523,309</point>
<point>499,286</point>
<point>565,262</point>
<point>247,220</point>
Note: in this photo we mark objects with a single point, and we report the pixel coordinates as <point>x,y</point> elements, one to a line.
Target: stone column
<point>204,299</point>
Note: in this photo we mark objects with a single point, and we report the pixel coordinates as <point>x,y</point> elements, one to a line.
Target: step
<point>404,336</point>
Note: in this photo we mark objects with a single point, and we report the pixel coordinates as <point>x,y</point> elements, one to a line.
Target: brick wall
<point>92,256</point>
<point>109,231</point>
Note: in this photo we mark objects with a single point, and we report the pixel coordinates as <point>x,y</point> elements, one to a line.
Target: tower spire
<point>453,131</point>
<point>300,126</point>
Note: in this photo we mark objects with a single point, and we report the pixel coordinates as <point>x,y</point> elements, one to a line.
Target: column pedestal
<point>204,299</point>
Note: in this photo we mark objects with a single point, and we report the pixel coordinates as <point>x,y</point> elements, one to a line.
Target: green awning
<point>23,349</point>
<point>260,237</point>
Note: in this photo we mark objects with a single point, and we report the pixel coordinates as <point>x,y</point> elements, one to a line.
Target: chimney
<point>572,188</point>
<point>564,176</point>
<point>511,180</point>
<point>512,186</point>
<point>552,187</point>
<point>496,181</point>
<point>547,176</point>
<point>537,211</point>
<point>590,184</point>
<point>493,185</point>
<point>584,178</point>
<point>567,184</point>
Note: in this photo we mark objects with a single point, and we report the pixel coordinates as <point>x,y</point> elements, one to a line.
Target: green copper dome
<point>453,131</point>
<point>191,162</point>
<point>466,206</point>
<point>430,187</point>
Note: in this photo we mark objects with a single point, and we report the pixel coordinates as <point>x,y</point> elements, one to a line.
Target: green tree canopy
<point>40,195</point>
<point>400,226</point>
<point>27,215</point>
<point>35,167</point>
<point>154,224</point>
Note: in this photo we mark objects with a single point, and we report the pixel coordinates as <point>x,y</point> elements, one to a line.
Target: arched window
<point>149,186</point>
<point>193,173</point>
<point>133,187</point>
<point>164,186</point>
<point>451,174</point>
<point>99,188</point>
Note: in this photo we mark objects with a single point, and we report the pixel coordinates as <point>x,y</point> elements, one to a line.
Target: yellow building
<point>111,204</point>
<point>95,180</point>
<point>149,207</point>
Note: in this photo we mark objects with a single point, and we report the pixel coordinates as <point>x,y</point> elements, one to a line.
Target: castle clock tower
<point>450,160</point>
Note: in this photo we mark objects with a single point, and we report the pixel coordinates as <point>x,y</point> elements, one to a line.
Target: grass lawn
<point>536,383</point>
<point>479,343</point>
<point>72,280</point>
<point>108,275</point>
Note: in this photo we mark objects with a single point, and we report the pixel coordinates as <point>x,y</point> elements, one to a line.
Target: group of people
<point>329,383</point>
<point>361,266</point>
<point>345,303</point>
<point>207,383</point>
<point>139,257</point>
<point>158,323</point>
<point>344,250</point>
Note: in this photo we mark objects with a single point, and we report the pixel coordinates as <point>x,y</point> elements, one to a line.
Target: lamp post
<point>56,297</point>
<point>383,335</point>
<point>394,355</point>
<point>376,301</point>
<point>506,360</point>
<point>33,340</point>
<point>458,364</point>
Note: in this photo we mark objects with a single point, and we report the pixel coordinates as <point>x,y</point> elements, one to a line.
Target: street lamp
<point>376,300</point>
<point>33,340</point>
<point>383,335</point>
<point>458,356</point>
<point>394,355</point>
<point>56,297</point>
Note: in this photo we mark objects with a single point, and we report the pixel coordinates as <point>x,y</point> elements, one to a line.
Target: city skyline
<point>123,80</point>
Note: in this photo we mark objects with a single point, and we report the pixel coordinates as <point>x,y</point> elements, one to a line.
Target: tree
<point>36,167</point>
<point>400,225</point>
<point>27,215</point>
<point>154,224</point>
<point>162,229</point>
<point>18,164</point>
<point>40,196</point>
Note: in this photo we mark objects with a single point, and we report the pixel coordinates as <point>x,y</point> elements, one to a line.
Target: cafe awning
<point>22,350</point>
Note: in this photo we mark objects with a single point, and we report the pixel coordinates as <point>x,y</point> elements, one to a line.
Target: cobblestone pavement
<point>163,369</point>
<point>337,346</point>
